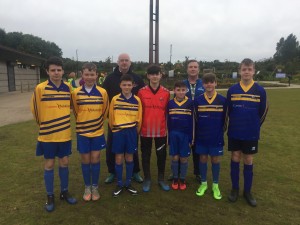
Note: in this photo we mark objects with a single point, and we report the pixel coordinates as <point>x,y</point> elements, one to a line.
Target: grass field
<point>276,182</point>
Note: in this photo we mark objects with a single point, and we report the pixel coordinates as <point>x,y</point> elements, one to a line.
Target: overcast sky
<point>203,30</point>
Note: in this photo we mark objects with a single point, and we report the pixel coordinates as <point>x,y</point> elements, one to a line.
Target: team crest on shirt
<point>161,99</point>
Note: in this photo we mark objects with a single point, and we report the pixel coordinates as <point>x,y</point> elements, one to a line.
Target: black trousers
<point>195,160</point>
<point>161,154</point>
<point>110,156</point>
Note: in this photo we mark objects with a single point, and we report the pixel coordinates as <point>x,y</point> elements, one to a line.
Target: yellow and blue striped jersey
<point>50,106</point>
<point>247,110</point>
<point>125,113</point>
<point>210,116</point>
<point>90,110</point>
<point>180,116</point>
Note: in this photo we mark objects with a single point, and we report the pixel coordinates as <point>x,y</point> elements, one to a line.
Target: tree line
<point>30,44</point>
<point>286,57</point>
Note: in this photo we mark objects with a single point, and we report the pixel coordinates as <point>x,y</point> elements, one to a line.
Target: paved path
<point>15,107</point>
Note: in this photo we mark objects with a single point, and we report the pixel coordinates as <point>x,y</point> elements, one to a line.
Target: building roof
<point>14,56</point>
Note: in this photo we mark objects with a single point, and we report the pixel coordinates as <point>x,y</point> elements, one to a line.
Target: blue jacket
<point>199,90</point>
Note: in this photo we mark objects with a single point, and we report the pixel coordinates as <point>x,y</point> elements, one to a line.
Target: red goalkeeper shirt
<point>154,111</point>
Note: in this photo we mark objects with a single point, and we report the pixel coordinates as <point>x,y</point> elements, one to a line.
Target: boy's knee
<point>184,160</point>
<point>64,162</point>
<point>248,159</point>
<point>49,164</point>
<point>95,158</point>
<point>236,156</point>
<point>129,157</point>
<point>203,158</point>
<point>215,159</point>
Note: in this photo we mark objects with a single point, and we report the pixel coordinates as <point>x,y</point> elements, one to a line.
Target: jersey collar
<point>210,100</point>
<point>246,87</point>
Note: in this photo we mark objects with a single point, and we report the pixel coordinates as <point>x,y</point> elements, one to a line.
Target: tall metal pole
<point>76,62</point>
<point>154,47</point>
<point>157,32</point>
<point>151,33</point>
<point>170,53</point>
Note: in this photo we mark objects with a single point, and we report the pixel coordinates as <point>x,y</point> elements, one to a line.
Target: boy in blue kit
<point>247,109</point>
<point>90,107</point>
<point>125,117</point>
<point>50,106</point>
<point>211,110</point>
<point>180,128</point>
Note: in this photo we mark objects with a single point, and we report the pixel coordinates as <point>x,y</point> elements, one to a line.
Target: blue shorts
<point>179,144</point>
<point>88,144</point>
<point>50,150</point>
<point>125,141</point>
<point>206,150</point>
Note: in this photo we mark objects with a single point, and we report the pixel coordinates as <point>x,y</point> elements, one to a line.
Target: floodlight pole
<point>154,17</point>
<point>76,63</point>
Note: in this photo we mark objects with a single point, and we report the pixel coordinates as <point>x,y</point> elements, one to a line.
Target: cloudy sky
<point>204,30</point>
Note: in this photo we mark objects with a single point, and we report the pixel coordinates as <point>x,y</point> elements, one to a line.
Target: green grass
<point>276,182</point>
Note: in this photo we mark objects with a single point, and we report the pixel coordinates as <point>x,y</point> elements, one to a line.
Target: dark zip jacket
<point>112,83</point>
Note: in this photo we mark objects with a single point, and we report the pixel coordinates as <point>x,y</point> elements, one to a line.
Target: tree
<point>30,44</point>
<point>287,50</point>
<point>13,39</point>
<point>2,36</point>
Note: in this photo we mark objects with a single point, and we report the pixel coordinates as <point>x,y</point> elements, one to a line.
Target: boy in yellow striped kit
<point>90,106</point>
<point>50,106</point>
<point>125,116</point>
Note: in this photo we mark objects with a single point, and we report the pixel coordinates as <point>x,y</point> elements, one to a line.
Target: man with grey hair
<point>194,89</point>
<point>112,85</point>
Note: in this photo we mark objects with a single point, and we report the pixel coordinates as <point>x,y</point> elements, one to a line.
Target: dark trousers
<point>161,154</point>
<point>196,160</point>
<point>110,156</point>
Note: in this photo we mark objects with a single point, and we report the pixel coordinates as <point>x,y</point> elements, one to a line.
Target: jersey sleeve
<point>74,103</point>
<point>140,115</point>
<point>111,113</point>
<point>195,106</point>
<point>192,125</point>
<point>34,104</point>
<point>225,114</point>
<point>168,117</point>
<point>228,97</point>
<point>105,104</point>
<point>263,108</point>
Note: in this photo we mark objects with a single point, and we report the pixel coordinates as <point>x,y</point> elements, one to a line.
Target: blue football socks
<point>95,167</point>
<point>235,174</point>
<point>119,173</point>
<point>174,167</point>
<point>129,171</point>
<point>183,170</point>
<point>64,178</point>
<point>203,171</point>
<point>49,181</point>
<point>86,174</point>
<point>248,177</point>
<point>215,167</point>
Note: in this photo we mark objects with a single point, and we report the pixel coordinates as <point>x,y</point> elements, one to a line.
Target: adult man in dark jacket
<point>112,85</point>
